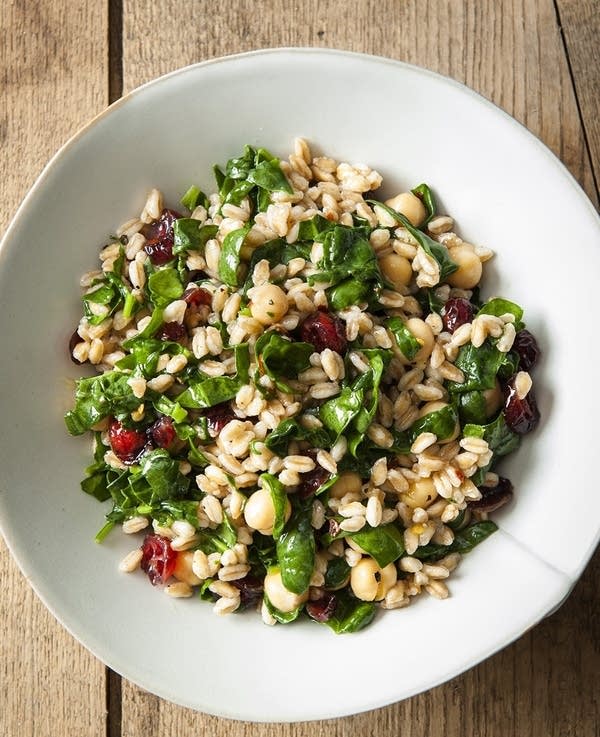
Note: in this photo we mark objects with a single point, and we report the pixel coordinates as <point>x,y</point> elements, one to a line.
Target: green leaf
<point>472,407</point>
<point>499,306</point>
<point>441,423</point>
<point>194,197</point>
<point>164,286</point>
<point>278,440</point>
<point>500,438</point>
<point>432,248</point>
<point>163,475</point>
<point>315,228</point>
<point>352,291</point>
<point>337,413</point>
<point>165,406</point>
<point>281,617</point>
<point>279,356</point>
<point>268,176</point>
<point>424,193</point>
<point>351,615</point>
<point>406,341</point>
<point>98,397</point>
<point>464,541</point>
<point>279,499</point>
<point>229,259</point>
<point>206,391</point>
<point>191,235</point>
<point>384,543</point>
<point>337,573</point>
<point>296,553</point>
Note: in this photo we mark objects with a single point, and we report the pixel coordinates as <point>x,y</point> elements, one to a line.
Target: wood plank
<point>52,79</point>
<point>580,20</point>
<point>512,53</point>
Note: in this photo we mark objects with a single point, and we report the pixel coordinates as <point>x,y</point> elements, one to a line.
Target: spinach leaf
<point>145,352</point>
<point>464,541</point>
<point>499,306</point>
<point>279,499</point>
<point>337,413</point>
<point>351,615</point>
<point>472,407</point>
<point>424,193</point>
<point>408,344</point>
<point>479,365</point>
<point>229,260</point>
<point>277,251</point>
<point>378,359</point>
<point>227,532</point>
<point>432,248</point>
<point>384,543</point>
<point>500,438</point>
<point>281,617</point>
<point>441,423</point>
<point>206,391</point>
<point>313,229</point>
<point>278,356</point>
<point>278,440</point>
<point>296,552</point>
<point>165,406</point>
<point>255,173</point>
<point>337,573</point>
<point>98,397</point>
<point>268,176</point>
<point>164,286</point>
<point>163,475</point>
<point>194,197</point>
<point>347,252</point>
<point>350,292</point>
<point>191,235</point>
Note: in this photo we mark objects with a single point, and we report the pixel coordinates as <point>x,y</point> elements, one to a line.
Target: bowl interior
<point>505,191</point>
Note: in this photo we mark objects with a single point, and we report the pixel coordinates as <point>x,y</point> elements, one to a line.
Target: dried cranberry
<point>197,296</point>
<point>126,443</point>
<point>251,590</point>
<point>529,351</point>
<point>174,331</point>
<point>158,558</point>
<point>521,415</point>
<point>162,432</point>
<point>324,330</point>
<point>159,237</point>
<point>322,609</point>
<point>493,497</point>
<point>218,416</point>
<point>73,341</point>
<point>312,480</point>
<point>456,312</point>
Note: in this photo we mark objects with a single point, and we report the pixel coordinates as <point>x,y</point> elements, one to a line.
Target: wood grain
<point>512,52</point>
<point>580,21</point>
<point>52,79</point>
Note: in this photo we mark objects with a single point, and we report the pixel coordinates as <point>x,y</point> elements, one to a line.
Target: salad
<point>301,396</point>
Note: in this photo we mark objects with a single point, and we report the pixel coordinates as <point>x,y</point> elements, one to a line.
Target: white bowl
<point>505,189</point>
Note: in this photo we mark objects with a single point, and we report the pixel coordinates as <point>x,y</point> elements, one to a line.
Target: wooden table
<point>61,62</point>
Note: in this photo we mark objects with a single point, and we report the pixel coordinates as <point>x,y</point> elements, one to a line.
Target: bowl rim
<point>71,624</point>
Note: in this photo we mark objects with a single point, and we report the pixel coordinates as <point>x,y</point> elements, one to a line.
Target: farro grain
<point>131,562</point>
<point>179,590</point>
<point>135,524</point>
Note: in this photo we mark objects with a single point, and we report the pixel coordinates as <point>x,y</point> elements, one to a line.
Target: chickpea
<point>369,582</point>
<point>269,304</point>
<point>469,269</point>
<point>421,493</point>
<point>183,568</point>
<point>435,407</point>
<point>279,596</point>
<point>493,399</point>
<point>259,511</point>
<point>396,269</point>
<point>348,483</point>
<point>423,333</point>
<point>410,206</point>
